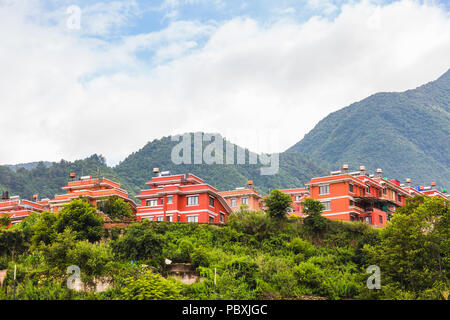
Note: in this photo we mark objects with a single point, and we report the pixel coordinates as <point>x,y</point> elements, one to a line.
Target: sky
<point>106,77</point>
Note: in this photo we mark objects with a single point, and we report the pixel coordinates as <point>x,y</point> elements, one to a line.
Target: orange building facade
<point>94,190</point>
<point>298,195</point>
<point>18,209</point>
<point>243,196</point>
<point>182,198</point>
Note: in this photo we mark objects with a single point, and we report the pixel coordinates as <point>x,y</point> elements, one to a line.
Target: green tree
<point>44,228</point>
<point>278,204</point>
<point>140,242</point>
<point>5,221</point>
<point>80,217</point>
<point>12,242</point>
<point>314,222</point>
<point>414,251</point>
<point>115,208</point>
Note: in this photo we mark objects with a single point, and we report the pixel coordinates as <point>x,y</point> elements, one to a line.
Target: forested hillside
<point>406,134</point>
<point>136,170</point>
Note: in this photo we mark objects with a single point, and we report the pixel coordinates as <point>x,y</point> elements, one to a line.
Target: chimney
<point>156,172</point>
<point>250,184</point>
<point>433,185</point>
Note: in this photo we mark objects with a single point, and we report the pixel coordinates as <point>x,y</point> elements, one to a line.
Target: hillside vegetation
<point>257,256</point>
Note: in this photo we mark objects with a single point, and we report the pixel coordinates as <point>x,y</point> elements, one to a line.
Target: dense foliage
<point>256,256</point>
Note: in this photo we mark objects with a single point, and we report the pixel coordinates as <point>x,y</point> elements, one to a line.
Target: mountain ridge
<point>404,133</point>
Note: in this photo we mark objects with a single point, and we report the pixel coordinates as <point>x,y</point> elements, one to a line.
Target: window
<point>297,198</point>
<point>192,219</point>
<point>161,218</point>
<point>233,202</point>
<point>368,189</point>
<point>222,217</point>
<point>324,189</point>
<point>399,198</point>
<point>192,201</point>
<point>245,201</point>
<point>350,188</point>
<point>169,218</point>
<point>380,219</point>
<point>327,205</point>
<point>169,200</point>
<point>211,201</point>
<point>152,202</point>
<point>384,191</point>
<point>394,195</point>
<point>369,220</point>
<point>211,219</point>
<point>352,203</point>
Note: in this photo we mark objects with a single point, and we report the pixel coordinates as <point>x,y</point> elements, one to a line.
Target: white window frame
<point>324,203</point>
<point>195,218</point>
<point>160,218</point>
<point>169,199</point>
<point>324,186</point>
<point>246,200</point>
<point>150,201</point>
<point>213,200</point>
<point>220,217</point>
<point>233,202</point>
<point>191,197</point>
<point>351,187</point>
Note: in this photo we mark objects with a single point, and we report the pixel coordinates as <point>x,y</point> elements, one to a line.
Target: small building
<point>181,198</point>
<point>298,196</point>
<point>18,209</point>
<point>247,196</point>
<point>94,190</point>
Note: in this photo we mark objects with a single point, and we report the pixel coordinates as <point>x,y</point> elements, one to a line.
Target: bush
<point>200,257</point>
<point>300,246</point>
<point>150,286</point>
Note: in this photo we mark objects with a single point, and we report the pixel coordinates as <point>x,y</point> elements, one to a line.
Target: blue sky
<point>261,73</point>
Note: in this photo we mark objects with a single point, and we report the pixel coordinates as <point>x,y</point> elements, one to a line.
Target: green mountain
<point>47,179</point>
<point>406,134</point>
<point>28,166</point>
<point>294,169</point>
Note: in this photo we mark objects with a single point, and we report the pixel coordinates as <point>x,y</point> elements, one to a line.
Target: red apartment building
<point>356,196</point>
<point>94,190</point>
<point>18,209</point>
<point>181,198</point>
<point>243,196</point>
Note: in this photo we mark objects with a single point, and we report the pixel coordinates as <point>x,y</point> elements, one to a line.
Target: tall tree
<point>278,204</point>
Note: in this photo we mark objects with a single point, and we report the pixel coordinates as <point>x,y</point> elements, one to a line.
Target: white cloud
<point>68,96</point>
